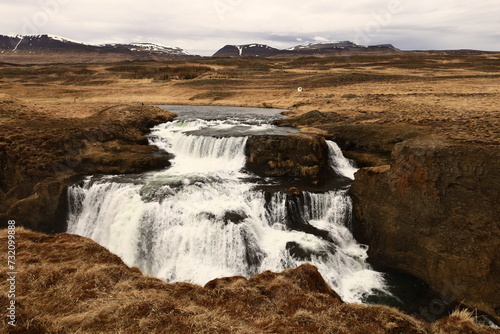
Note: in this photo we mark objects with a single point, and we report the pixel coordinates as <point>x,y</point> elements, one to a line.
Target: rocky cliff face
<point>369,145</point>
<point>291,155</point>
<point>425,205</point>
<point>434,213</point>
<point>41,154</point>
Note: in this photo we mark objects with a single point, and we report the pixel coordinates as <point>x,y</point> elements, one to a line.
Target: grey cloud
<point>205,26</point>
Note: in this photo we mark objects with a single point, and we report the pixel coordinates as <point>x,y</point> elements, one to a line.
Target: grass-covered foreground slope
<point>70,284</point>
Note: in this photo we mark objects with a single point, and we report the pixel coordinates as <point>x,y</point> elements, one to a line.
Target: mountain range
<point>44,44</point>
<point>49,48</point>
<point>325,48</point>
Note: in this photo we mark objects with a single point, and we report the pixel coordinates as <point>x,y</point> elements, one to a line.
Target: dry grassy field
<point>456,95</point>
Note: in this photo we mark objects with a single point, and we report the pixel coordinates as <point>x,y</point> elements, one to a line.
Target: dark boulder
<point>292,155</point>
<point>234,217</point>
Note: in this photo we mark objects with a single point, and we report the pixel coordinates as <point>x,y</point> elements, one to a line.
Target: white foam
<point>338,162</point>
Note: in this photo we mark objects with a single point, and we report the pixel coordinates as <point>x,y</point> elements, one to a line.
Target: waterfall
<point>199,219</point>
<point>199,154</point>
<point>338,163</point>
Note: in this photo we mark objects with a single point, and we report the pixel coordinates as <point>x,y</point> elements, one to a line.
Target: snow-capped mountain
<point>33,43</point>
<point>323,48</point>
<point>247,50</point>
<point>36,44</point>
<point>326,45</point>
<point>151,48</point>
<point>54,37</point>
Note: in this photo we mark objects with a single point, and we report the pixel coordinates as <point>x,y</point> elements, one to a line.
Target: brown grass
<point>150,71</point>
<point>460,322</point>
<point>453,95</point>
<point>69,284</point>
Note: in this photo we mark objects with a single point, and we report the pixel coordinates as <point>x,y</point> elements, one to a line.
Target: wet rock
<point>207,216</point>
<point>234,217</point>
<point>253,254</point>
<point>295,215</point>
<point>297,251</point>
<point>292,155</point>
<point>301,253</point>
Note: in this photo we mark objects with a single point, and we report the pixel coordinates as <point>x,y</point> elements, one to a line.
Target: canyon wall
<point>434,213</point>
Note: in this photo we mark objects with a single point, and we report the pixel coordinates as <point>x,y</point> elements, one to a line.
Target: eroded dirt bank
<point>60,291</point>
<point>43,149</point>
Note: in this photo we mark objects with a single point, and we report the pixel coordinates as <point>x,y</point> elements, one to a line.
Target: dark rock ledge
<point>40,155</point>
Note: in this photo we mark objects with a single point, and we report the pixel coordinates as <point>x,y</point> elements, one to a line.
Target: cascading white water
<point>199,154</point>
<point>199,220</point>
<point>338,162</point>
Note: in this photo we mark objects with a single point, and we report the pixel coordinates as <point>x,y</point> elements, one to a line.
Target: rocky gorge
<point>412,213</point>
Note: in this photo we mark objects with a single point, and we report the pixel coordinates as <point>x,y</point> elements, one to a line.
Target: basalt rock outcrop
<point>40,154</point>
<point>292,155</point>
<point>434,213</point>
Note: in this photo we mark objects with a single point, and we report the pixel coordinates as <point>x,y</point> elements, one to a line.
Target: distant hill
<point>149,48</point>
<point>41,43</point>
<point>326,46</point>
<point>47,48</point>
<point>262,50</point>
<point>247,50</point>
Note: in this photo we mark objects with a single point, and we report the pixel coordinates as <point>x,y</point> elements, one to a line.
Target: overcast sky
<point>204,26</point>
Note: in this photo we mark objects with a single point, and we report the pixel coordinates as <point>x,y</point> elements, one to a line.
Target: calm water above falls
<point>205,217</point>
